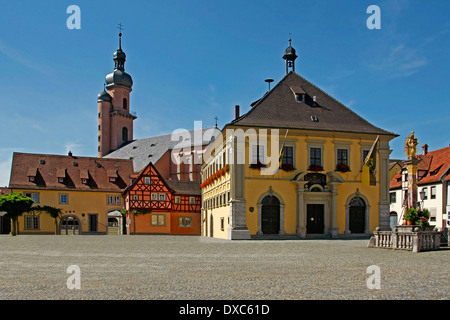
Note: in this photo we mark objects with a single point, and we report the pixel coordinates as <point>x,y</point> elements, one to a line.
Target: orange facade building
<point>159,206</point>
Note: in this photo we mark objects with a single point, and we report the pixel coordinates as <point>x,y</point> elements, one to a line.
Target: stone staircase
<point>276,237</point>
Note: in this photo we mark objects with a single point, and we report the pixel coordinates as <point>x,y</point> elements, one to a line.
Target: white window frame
<point>158,220</point>
<point>31,222</point>
<point>192,200</point>
<point>32,195</point>
<point>61,195</point>
<point>113,200</point>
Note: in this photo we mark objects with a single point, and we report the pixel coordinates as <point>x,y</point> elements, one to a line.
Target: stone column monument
<point>411,163</point>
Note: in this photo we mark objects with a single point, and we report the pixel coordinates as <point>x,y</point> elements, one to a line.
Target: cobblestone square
<point>192,267</point>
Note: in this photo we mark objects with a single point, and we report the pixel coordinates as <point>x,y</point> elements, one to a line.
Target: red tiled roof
<point>435,165</point>
<point>48,168</point>
<point>4,190</point>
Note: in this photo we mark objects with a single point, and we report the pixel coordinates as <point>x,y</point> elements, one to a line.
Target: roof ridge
<point>169,134</point>
<point>67,156</point>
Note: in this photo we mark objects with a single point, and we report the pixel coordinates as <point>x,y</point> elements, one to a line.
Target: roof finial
<point>290,39</point>
<point>216,120</point>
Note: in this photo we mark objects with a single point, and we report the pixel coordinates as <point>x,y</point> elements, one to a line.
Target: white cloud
<point>399,61</point>
<point>21,58</point>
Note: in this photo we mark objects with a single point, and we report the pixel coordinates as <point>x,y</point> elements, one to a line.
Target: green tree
<point>15,205</point>
<point>55,213</point>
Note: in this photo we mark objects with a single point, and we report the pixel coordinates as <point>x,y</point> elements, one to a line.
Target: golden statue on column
<point>411,146</point>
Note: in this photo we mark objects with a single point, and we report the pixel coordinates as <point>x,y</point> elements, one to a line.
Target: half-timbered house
<point>158,206</point>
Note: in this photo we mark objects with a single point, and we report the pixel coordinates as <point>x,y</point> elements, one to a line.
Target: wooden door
<point>357,221</point>
<point>315,219</point>
<point>93,222</point>
<point>270,215</point>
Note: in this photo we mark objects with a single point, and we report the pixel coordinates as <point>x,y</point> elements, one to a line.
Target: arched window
<point>125,103</point>
<point>124,134</point>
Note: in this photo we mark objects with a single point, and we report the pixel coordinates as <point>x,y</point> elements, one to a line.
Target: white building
<point>433,178</point>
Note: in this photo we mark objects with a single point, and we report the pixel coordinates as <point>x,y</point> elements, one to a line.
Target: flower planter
<point>287,167</point>
<point>315,168</point>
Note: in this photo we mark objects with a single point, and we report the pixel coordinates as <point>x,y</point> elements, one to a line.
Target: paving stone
<point>191,268</point>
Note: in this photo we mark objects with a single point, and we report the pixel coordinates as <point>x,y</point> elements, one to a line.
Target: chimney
<point>236,112</point>
<point>424,149</point>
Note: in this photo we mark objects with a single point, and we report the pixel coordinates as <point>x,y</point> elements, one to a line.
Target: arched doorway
<point>270,215</point>
<point>115,222</point>
<point>357,215</point>
<point>70,225</point>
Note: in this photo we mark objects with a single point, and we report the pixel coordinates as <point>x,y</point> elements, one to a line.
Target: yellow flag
<point>365,176</point>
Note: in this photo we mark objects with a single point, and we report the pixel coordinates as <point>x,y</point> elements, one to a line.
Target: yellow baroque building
<point>294,167</point>
<point>87,190</point>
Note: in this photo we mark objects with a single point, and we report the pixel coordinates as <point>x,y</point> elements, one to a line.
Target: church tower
<point>115,121</point>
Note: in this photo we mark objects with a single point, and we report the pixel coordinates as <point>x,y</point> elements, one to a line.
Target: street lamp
<point>422,196</point>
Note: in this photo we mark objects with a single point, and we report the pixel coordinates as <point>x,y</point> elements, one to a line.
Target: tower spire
<point>120,27</point>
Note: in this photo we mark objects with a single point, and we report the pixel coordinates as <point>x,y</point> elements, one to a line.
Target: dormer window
<point>84,175</point>
<point>31,174</point>
<point>112,175</point>
<point>61,175</point>
<point>299,94</point>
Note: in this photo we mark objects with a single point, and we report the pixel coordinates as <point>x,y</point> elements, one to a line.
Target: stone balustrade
<point>412,238</point>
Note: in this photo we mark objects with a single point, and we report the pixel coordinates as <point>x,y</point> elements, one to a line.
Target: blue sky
<point>195,60</point>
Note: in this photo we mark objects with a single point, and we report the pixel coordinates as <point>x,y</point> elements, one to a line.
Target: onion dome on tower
<point>104,96</point>
<point>119,77</point>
